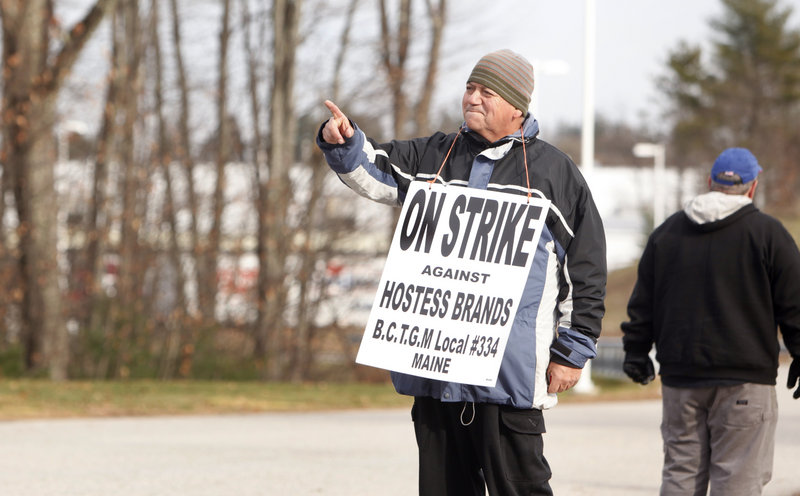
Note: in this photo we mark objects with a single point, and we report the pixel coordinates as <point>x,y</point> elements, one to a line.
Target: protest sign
<point>454,275</point>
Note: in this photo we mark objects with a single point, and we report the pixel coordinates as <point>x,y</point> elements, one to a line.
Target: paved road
<point>597,449</point>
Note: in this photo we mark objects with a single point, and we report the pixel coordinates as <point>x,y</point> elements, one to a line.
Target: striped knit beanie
<point>508,74</point>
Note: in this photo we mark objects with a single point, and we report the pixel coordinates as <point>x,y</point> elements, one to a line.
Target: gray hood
<point>714,206</point>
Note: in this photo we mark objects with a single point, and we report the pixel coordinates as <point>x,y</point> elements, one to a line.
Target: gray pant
<point>722,435</point>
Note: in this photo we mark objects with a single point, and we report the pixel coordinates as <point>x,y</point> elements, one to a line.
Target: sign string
<point>430,183</point>
<point>524,161</point>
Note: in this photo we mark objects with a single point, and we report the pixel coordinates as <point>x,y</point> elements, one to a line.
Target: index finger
<point>337,114</point>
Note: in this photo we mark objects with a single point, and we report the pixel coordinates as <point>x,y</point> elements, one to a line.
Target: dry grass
<point>29,399</point>
<point>20,399</point>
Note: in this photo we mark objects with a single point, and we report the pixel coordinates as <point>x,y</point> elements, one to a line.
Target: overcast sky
<point>633,38</point>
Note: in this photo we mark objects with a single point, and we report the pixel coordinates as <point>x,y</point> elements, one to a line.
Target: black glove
<point>794,375</point>
<point>639,368</point>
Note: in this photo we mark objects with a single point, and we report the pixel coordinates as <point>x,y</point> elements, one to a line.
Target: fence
<point>610,355</point>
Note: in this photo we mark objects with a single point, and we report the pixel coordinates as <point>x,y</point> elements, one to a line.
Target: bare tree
<point>275,197</point>
<point>316,245</point>
<point>394,49</point>
<point>31,82</point>
<point>252,49</point>
<point>144,138</point>
<point>93,316</point>
<point>437,15</point>
<point>394,55</point>
<point>132,181</point>
<point>183,153</point>
<point>212,248</point>
<point>171,345</point>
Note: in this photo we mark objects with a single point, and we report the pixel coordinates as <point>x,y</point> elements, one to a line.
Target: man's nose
<point>473,97</point>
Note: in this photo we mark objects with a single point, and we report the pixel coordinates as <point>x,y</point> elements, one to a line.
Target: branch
<point>54,74</point>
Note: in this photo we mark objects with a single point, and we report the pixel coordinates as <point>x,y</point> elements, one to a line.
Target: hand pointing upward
<point>338,127</point>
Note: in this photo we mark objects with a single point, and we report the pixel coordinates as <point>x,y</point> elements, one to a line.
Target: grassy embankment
<point>21,399</point>
<point>27,399</point>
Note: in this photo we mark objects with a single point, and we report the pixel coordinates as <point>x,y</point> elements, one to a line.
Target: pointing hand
<point>338,127</point>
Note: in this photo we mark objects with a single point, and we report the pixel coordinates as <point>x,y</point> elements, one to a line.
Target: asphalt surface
<point>594,449</point>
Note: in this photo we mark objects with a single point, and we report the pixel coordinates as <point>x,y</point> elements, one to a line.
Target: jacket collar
<point>530,126</point>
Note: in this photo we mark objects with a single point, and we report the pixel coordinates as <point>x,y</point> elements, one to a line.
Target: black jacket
<point>711,296</point>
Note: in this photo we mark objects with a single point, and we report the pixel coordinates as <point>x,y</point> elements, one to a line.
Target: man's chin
<point>473,120</point>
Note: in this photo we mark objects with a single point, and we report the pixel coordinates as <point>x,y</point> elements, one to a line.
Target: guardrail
<point>610,355</point>
<point>608,362</point>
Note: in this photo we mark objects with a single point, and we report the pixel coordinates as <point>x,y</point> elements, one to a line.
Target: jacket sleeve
<point>785,281</point>
<point>584,273</point>
<point>380,172</point>
<point>637,332</point>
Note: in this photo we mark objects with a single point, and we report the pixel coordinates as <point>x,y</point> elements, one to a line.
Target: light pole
<point>587,128</point>
<point>655,150</point>
<point>541,68</point>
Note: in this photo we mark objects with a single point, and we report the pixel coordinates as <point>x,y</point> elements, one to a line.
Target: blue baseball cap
<point>735,166</point>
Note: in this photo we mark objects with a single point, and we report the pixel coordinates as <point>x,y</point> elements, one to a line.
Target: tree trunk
<point>259,189</point>
<point>129,301</point>
<point>213,248</point>
<point>45,331</point>
<point>312,292</point>
<point>437,14</point>
<point>176,317</point>
<point>277,194</point>
<point>394,54</point>
<point>96,228</point>
<point>31,81</point>
<point>344,43</point>
<point>184,154</point>
<point>99,225</point>
<point>308,301</point>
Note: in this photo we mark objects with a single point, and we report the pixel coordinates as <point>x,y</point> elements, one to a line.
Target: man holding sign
<point>472,437</point>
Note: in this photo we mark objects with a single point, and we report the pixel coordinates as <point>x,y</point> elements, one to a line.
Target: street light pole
<point>587,131</point>
<point>656,151</point>
<point>541,68</point>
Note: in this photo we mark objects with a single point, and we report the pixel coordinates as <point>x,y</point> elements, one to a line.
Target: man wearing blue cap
<point>715,282</point>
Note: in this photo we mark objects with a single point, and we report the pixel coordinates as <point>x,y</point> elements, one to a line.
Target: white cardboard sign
<point>456,269</point>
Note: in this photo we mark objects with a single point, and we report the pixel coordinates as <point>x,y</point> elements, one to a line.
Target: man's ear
<point>752,191</point>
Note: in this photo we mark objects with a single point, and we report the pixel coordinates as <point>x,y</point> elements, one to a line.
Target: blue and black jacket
<point>560,312</point>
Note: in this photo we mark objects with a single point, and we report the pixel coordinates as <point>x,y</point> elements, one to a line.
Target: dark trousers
<point>467,448</point>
